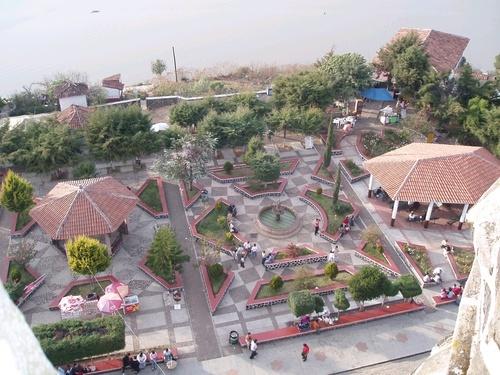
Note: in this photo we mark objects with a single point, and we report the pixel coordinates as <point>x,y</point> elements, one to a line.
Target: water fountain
<point>278,221</point>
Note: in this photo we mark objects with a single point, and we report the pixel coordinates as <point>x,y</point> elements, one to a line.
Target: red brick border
<point>389,267</point>
<point>414,267</point>
<point>161,191</point>
<point>54,304</point>
<point>24,230</point>
<point>29,288</point>
<point>212,172</point>
<point>317,256</point>
<point>453,264</point>
<point>244,189</point>
<point>186,201</point>
<point>315,176</point>
<point>215,299</point>
<point>347,172</point>
<point>439,302</point>
<point>339,136</point>
<point>177,285</point>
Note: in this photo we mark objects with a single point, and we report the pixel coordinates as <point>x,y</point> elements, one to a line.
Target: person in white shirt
<point>153,357</point>
<point>253,349</point>
<point>141,358</point>
<point>332,256</point>
<point>253,250</point>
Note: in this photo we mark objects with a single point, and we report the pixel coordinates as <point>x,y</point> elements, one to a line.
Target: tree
<point>306,121</point>
<point>96,95</point>
<point>410,69</point>
<point>482,122</point>
<point>276,282</point>
<point>188,160</point>
<point>467,85</point>
<point>158,67</point>
<point>87,256</point>
<point>23,252</point>
<point>348,73</point>
<point>330,139</point>
<point>390,289</point>
<point>187,114</point>
<point>408,286</point>
<point>117,133</point>
<point>302,302</point>
<point>166,255</point>
<point>266,167</point>
<point>340,301</point>
<point>331,270</point>
<point>336,190</point>
<point>255,145</point>
<point>367,284</point>
<point>16,193</point>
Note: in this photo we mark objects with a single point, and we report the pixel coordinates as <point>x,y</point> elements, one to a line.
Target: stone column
<point>394,212</point>
<point>462,217</point>
<point>428,214</point>
<point>370,186</point>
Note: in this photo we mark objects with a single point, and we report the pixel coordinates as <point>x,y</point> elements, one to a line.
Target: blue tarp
<point>379,95</point>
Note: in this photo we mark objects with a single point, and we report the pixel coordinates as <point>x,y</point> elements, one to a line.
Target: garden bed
<point>327,175</point>
<point>242,172</point>
<point>307,255</point>
<point>216,288</point>
<point>21,224</point>
<point>83,284</point>
<point>371,144</point>
<point>189,197</point>
<point>152,198</point>
<point>339,136</point>
<point>176,285</point>
<point>352,171</point>
<point>461,262</point>
<point>330,221</point>
<point>381,260</point>
<point>256,189</point>
<point>262,295</point>
<point>29,282</point>
<point>417,259</point>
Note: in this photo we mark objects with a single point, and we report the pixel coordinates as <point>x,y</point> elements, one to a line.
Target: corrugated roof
<point>89,207</point>
<point>425,172</point>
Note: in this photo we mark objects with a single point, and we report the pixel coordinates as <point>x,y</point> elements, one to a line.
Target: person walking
<point>305,352</point>
<point>253,349</point>
<point>316,226</point>
<point>253,250</point>
<point>248,340</point>
<point>141,358</point>
<point>153,357</point>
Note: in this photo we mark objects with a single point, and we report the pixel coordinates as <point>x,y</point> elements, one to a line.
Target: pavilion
<point>434,174</point>
<point>96,207</point>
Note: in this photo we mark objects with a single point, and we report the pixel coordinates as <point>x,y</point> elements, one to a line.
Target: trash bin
<point>234,337</point>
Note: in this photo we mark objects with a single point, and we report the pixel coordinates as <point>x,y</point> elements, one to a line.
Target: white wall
<point>80,100</point>
<point>112,93</point>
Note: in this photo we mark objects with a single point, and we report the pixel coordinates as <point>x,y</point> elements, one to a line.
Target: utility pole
<point>175,63</point>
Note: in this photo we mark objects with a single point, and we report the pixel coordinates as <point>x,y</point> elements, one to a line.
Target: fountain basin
<point>288,225</point>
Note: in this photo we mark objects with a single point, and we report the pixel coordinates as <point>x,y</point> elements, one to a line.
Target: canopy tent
<point>377,94</point>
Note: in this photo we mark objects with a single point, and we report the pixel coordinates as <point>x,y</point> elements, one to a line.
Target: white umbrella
<point>71,303</point>
<point>158,127</point>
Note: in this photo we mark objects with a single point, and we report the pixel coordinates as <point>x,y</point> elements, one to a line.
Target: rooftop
<point>68,89</point>
<point>74,116</point>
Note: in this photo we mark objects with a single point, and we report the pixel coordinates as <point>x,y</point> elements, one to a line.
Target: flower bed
<point>352,171</point>
<point>176,285</point>
<point>381,260</point>
<point>205,227</point>
<point>21,223</point>
<point>307,255</point>
<point>241,172</point>
<point>189,197</point>
<point>324,175</point>
<point>370,144</point>
<point>30,280</point>
<point>461,262</point>
<point>76,285</point>
<point>330,221</point>
<point>252,191</point>
<point>216,289</point>
<point>416,258</point>
<point>152,198</point>
<point>262,295</point>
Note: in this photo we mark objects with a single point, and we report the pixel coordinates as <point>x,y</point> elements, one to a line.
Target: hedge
<point>70,340</point>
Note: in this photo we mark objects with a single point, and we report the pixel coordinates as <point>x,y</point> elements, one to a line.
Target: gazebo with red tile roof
<point>434,173</point>
<point>97,207</point>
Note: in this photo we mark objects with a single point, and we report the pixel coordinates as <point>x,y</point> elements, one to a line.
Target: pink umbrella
<point>110,303</point>
<point>117,287</point>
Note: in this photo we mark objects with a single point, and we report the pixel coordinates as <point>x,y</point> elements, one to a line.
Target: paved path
<point>201,320</point>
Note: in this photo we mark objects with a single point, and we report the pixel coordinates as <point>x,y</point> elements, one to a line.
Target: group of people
<point>139,362</point>
<point>452,292</point>
<point>446,247</point>
<point>436,276</point>
<point>75,369</point>
<point>251,345</point>
<point>243,251</point>
<point>231,214</point>
<point>345,227</point>
<point>412,217</point>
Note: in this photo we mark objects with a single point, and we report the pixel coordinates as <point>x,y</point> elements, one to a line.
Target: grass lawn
<point>22,219</point>
<point>290,286</point>
<point>217,282</point>
<point>85,289</point>
<point>419,255</point>
<point>285,254</point>
<point>335,217</point>
<point>370,249</point>
<point>210,228</point>
<point>257,186</point>
<point>151,196</point>
<point>464,259</point>
<point>353,168</point>
<point>246,171</point>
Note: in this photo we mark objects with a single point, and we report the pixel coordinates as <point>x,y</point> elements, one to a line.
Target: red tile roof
<point>113,82</point>
<point>89,207</point>
<point>67,89</point>
<point>74,116</point>
<point>444,50</point>
<point>425,172</point>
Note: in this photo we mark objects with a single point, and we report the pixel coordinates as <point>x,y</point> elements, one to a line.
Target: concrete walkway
<point>201,320</point>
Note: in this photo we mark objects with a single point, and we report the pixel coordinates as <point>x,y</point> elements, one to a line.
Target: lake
<point>42,37</point>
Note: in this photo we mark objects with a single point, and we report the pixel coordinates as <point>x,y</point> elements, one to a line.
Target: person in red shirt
<point>305,352</point>
<point>457,290</point>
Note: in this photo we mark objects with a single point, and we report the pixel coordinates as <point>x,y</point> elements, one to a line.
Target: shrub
<point>331,270</point>
<point>319,304</point>
<point>266,167</point>
<point>370,235</point>
<point>15,275</point>
<point>408,286</point>
<point>15,291</point>
<point>69,340</point>
<point>293,250</point>
<point>276,282</point>
<point>229,236</point>
<point>85,169</point>
<point>367,284</point>
<point>222,220</point>
<point>255,144</point>
<point>302,302</point>
<point>219,206</point>
<point>319,191</point>
<point>340,301</point>
<point>215,270</point>
<point>228,167</point>
<point>16,193</point>
<point>304,278</point>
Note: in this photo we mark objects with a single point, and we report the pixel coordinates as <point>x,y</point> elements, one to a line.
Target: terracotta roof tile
<point>67,89</point>
<point>425,172</point>
<point>113,82</point>
<point>74,116</point>
<point>84,207</point>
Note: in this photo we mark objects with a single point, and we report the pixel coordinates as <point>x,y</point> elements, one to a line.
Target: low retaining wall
<point>318,257</point>
<point>392,269</point>
<point>315,176</point>
<point>410,263</point>
<point>215,299</point>
<point>243,189</point>
<point>186,201</point>
<point>177,285</point>
<point>161,192</point>
<point>347,173</point>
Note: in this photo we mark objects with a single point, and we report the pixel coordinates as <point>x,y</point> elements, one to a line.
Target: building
<point>74,116</point>
<point>70,93</point>
<point>445,51</point>
<point>113,87</point>
<point>96,207</point>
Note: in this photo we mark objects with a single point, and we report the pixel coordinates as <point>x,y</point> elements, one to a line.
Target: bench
<point>440,302</point>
